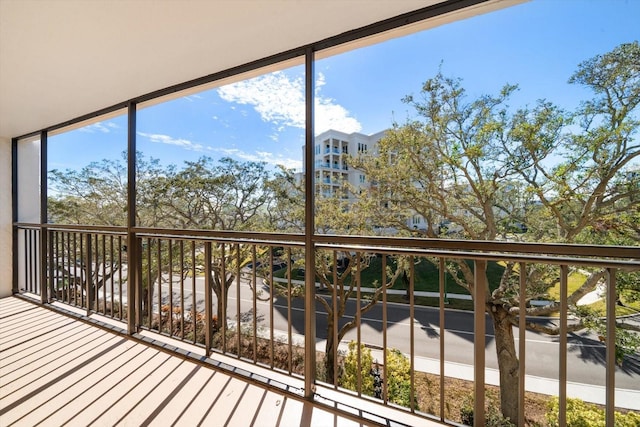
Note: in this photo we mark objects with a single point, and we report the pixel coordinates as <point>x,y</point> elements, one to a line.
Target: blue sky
<point>536,45</point>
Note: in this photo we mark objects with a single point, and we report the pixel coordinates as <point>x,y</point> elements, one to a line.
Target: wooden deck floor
<point>56,370</point>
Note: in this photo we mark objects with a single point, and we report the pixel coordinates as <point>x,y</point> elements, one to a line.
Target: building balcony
<point>87,355</point>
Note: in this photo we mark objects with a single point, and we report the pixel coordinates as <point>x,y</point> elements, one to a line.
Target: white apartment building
<point>332,150</point>
<point>332,169</point>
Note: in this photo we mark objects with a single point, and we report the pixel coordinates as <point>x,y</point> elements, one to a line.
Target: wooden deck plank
<point>57,370</point>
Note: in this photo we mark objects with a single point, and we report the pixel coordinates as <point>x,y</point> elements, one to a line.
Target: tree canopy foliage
<point>490,171</point>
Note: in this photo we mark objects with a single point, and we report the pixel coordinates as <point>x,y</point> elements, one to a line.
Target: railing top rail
<point>110,229</point>
<point>487,256</point>
<point>249,236</point>
<point>554,253</point>
<point>498,247</point>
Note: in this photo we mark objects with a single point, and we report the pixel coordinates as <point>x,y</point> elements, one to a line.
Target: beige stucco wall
<point>5,217</point>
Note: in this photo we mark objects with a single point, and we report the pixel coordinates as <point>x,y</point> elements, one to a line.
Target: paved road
<point>586,354</point>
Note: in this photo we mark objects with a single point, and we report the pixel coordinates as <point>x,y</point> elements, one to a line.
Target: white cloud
<point>279,99</point>
<point>166,139</point>
<point>261,156</point>
<point>99,127</point>
<point>190,98</point>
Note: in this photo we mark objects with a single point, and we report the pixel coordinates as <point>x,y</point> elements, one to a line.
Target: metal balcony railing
<point>238,294</point>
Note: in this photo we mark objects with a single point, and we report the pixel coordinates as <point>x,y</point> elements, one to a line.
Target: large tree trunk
<point>507,362</point>
<point>221,319</point>
<point>329,353</point>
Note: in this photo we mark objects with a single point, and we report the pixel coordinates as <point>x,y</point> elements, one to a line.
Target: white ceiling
<point>60,59</point>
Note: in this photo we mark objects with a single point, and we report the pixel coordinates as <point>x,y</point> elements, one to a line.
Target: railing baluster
<point>289,317</point>
<point>611,347</point>
<point>27,260</point>
<point>334,330</point>
<point>479,340</point>
<point>385,373</point>
<point>254,302</point>
<point>130,299</point>
<point>67,294</point>
<point>89,273</point>
<point>150,281</point>
<point>223,298</point>
<point>272,297</point>
<point>238,313</point>
<point>159,264</point>
<point>170,313</point>
<point>75,270</point>
<point>359,322</point>
<point>441,280</point>
<point>49,265</point>
<point>562,375</point>
<point>62,281</point>
<point>522,344</point>
<point>181,289</point>
<point>412,334</point>
<point>104,274</point>
<point>194,307</point>
<point>112,272</point>
<point>95,239</point>
<point>207,299</point>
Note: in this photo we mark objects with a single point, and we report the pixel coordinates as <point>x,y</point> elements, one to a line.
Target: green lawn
<point>575,280</point>
<point>427,276</point>
<point>629,306</point>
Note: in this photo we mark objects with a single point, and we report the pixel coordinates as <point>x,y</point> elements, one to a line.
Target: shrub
<point>398,371</point>
<point>349,378</point>
<point>582,414</point>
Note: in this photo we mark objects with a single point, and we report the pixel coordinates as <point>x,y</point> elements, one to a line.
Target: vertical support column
<point>14,215</point>
<point>612,296</point>
<point>309,231</point>
<point>479,322</point>
<point>44,245</point>
<point>134,303</point>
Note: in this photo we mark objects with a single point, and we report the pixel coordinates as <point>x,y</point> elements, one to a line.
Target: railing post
<point>134,282</point>
<point>44,245</point>
<point>14,217</point>
<point>309,257</point>
<point>479,330</point>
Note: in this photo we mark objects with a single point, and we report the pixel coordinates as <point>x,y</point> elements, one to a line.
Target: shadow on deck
<point>61,368</point>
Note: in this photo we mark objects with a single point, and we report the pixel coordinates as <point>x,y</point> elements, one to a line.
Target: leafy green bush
<point>349,378</point>
<point>398,374</point>
<point>582,414</point>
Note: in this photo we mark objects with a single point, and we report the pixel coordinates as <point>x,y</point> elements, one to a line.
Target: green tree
<point>222,195</point>
<point>97,195</point>
<point>337,273</point>
<point>484,169</point>
<point>210,195</point>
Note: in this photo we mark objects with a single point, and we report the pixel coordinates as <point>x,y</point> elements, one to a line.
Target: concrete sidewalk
<point>624,398</point>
